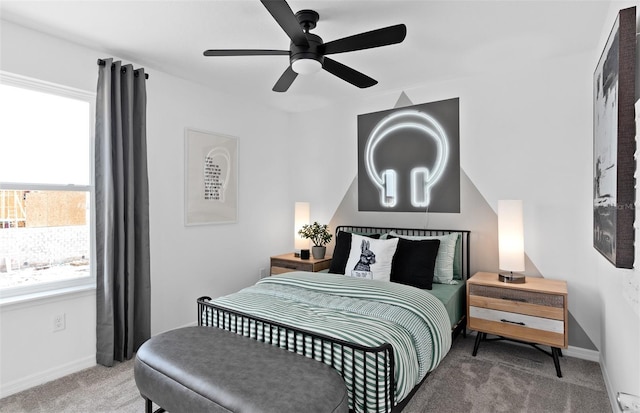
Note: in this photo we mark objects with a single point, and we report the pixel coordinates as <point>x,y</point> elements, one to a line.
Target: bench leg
<point>149,407</point>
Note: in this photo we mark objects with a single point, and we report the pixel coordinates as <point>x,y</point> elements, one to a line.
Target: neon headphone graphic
<point>213,182</point>
<point>422,179</point>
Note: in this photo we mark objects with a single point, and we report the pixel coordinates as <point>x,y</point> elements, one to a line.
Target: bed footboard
<point>368,371</point>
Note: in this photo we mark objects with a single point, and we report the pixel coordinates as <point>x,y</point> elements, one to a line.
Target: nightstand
<point>289,262</point>
<point>534,313</point>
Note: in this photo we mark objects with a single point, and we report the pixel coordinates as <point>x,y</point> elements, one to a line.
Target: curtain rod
<point>102,63</point>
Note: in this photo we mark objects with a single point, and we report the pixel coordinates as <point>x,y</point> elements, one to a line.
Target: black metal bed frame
<point>339,354</point>
<point>328,350</point>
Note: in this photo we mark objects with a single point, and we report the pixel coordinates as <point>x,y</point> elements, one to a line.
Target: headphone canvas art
<point>409,159</point>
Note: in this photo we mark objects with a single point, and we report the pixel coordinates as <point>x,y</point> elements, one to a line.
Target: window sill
<point>46,297</point>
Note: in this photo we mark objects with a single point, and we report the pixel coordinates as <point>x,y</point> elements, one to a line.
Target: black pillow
<point>414,262</point>
<point>342,250</point>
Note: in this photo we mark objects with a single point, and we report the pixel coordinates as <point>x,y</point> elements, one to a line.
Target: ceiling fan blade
<point>244,52</point>
<point>375,38</point>
<point>283,14</point>
<point>285,80</point>
<point>348,74</point>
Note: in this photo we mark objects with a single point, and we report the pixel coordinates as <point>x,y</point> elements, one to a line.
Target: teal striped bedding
<point>366,312</point>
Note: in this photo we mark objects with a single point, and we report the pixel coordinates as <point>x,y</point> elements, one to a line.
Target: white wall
<point>525,134</point>
<point>186,262</point>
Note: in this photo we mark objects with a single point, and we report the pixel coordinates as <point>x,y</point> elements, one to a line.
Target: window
<point>46,190</point>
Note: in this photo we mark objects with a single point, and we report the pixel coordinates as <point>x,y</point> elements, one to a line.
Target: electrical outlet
<point>59,322</point>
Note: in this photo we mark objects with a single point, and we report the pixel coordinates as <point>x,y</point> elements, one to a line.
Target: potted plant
<point>319,235</point>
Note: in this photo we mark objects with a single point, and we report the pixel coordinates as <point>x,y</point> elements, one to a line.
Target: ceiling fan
<point>307,52</point>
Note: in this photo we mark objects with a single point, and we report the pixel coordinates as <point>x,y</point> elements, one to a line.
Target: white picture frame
<point>211,178</point>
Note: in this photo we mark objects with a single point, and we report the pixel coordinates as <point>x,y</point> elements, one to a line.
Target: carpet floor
<point>507,377</point>
<point>503,377</point>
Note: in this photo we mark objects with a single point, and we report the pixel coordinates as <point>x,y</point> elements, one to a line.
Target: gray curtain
<point>122,213</point>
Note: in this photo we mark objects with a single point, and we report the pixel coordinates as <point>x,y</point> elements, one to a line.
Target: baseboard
<point>45,376</point>
<point>191,324</point>
<point>571,351</point>
<point>582,353</point>
<point>607,383</point>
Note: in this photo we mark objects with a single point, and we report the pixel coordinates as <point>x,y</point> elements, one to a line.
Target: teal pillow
<point>457,260</point>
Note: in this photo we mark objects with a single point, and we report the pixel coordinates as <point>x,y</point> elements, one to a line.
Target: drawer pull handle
<point>520,323</point>
<point>522,300</point>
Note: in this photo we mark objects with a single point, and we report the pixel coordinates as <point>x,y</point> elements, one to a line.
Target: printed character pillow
<point>370,258</point>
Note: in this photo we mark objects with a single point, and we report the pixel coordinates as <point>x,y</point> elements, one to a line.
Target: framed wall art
<point>614,144</point>
<point>409,158</point>
<point>211,178</point>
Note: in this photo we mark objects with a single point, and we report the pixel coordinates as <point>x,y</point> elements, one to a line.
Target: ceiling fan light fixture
<point>306,66</point>
<point>307,51</point>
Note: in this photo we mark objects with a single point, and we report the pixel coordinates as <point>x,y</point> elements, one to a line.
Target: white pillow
<point>370,258</point>
<point>443,273</point>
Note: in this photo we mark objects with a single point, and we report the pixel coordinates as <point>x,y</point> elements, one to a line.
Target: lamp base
<point>509,277</point>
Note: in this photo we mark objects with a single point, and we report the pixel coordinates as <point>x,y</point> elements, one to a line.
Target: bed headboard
<point>464,239</point>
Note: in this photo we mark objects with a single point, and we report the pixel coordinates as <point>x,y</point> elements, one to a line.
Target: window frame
<point>47,289</point>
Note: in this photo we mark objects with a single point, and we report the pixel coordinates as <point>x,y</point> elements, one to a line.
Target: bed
<point>382,337</point>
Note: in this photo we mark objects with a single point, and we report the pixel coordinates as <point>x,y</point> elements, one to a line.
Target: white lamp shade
<point>301,217</point>
<point>510,235</point>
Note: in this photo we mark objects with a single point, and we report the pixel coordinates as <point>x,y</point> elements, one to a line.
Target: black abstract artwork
<point>614,144</point>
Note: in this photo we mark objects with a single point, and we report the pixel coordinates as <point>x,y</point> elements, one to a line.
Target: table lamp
<point>510,241</point>
<point>301,217</point>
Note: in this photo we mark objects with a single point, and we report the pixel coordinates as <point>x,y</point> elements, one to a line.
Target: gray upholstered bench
<point>205,369</point>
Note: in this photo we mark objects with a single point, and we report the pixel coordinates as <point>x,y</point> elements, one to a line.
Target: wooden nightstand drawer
<point>285,265</point>
<point>530,297</point>
<point>510,328</point>
<point>515,306</point>
<point>281,264</point>
<point>523,320</point>
<point>282,270</point>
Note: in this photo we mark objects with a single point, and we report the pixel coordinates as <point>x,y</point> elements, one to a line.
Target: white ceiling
<point>445,39</point>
